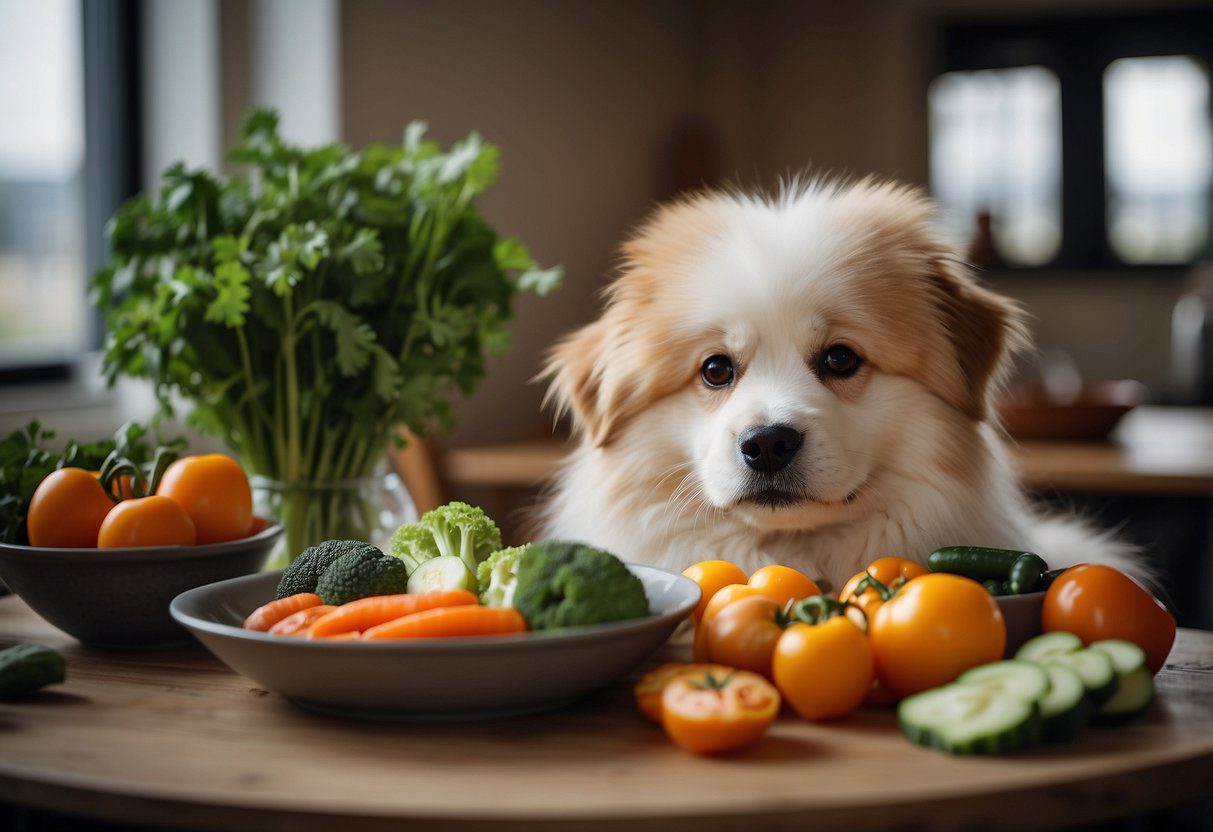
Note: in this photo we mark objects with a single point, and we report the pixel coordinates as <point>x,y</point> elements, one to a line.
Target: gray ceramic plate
<point>1022,614</point>
<point>434,678</point>
<point>118,598</point>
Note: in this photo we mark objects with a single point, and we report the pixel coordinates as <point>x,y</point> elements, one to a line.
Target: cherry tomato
<point>744,633</point>
<point>712,575</point>
<point>1095,602</point>
<point>214,491</point>
<point>935,628</point>
<point>783,583</point>
<point>67,510</point>
<point>721,599</point>
<point>823,670</point>
<point>711,714</point>
<point>886,570</point>
<point>147,521</point>
<point>649,689</point>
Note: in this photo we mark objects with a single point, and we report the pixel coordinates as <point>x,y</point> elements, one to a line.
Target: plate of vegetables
<point>448,624</point>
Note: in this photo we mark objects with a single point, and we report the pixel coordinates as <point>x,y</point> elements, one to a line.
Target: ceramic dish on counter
<point>119,598</point>
<point>452,678</point>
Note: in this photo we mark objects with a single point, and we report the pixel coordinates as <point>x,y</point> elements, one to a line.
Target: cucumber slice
<point>1065,709</point>
<point>1050,644</point>
<point>1126,656</point>
<point>447,572</point>
<point>1095,670</point>
<point>969,719</point>
<point>1133,695</point>
<point>1026,680</point>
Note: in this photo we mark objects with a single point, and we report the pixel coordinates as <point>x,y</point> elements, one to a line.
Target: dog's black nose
<point>768,448</point>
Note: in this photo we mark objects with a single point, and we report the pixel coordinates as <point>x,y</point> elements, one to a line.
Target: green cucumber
<point>1065,709</point>
<point>1047,579</point>
<point>970,719</point>
<point>24,668</point>
<point>1093,667</point>
<point>1026,572</point>
<point>1134,693</point>
<point>976,562</point>
<point>442,573</point>
<point>1026,680</point>
<point>1134,681</point>
<point>993,587</point>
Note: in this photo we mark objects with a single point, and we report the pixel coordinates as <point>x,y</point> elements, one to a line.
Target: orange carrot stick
<point>267,616</point>
<point>296,624</point>
<point>447,622</point>
<point>378,609</point>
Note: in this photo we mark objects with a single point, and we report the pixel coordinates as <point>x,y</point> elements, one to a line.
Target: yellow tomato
<point>721,599</point>
<point>146,521</point>
<point>935,628</point>
<point>783,583</point>
<point>744,634</point>
<point>649,689</point>
<point>823,670</point>
<point>711,714</point>
<point>67,510</point>
<point>712,575</point>
<point>889,571</point>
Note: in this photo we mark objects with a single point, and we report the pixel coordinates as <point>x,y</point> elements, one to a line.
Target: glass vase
<point>367,508</point>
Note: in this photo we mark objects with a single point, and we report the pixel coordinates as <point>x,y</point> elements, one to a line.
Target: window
<point>42,297</point>
<point>68,157</point>
<point>1076,142</point>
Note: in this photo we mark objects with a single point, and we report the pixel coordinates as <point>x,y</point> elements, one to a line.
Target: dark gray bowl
<point>119,598</point>
<point>1022,615</point>
<point>427,679</point>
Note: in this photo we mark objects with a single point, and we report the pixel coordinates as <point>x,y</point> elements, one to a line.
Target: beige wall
<point>584,99</point>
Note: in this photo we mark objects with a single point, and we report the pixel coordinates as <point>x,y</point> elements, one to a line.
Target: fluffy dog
<point>804,379</point>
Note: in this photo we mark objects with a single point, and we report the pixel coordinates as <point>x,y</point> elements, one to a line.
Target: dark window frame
<point>112,147</point>
<point>1078,48</point>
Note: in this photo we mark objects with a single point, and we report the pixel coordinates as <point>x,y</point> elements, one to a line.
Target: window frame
<point>1078,49</point>
<point>112,150</point>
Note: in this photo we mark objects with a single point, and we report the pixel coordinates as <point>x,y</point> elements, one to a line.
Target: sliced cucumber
<point>969,719</point>
<point>1050,644</point>
<point>447,572</point>
<point>1134,693</point>
<point>1094,669</point>
<point>1065,709</point>
<point>1126,656</point>
<point>1025,680</point>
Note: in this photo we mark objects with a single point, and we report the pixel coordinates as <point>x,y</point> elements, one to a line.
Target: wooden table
<point>1158,450</point>
<point>174,738</point>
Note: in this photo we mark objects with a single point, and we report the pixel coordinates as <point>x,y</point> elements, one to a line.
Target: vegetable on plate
<point>267,615</point>
<point>146,521</point>
<point>25,668</point>
<point>743,634</point>
<point>360,574</point>
<point>714,714</point>
<point>1001,571</point>
<point>563,584</point>
<point>67,510</point>
<point>455,530</point>
<point>1096,602</point>
<point>451,622</point>
<point>304,572</point>
<point>214,491</point>
<point>297,623</point>
<point>497,577</point>
<point>712,576</point>
<point>365,613</point>
<point>822,663</point>
<point>652,685</point>
<point>783,583</point>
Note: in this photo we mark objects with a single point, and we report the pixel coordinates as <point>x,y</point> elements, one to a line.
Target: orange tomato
<point>1095,602</point>
<point>783,583</point>
<point>886,570</point>
<point>823,670</point>
<point>67,510</point>
<point>147,521</point>
<point>935,628</point>
<point>720,599</point>
<point>744,633</point>
<point>712,575</point>
<point>214,491</point>
<point>649,689</point>
<point>711,714</point>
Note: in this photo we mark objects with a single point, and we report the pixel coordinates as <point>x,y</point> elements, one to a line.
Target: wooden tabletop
<point>1156,450</point>
<point>174,738</point>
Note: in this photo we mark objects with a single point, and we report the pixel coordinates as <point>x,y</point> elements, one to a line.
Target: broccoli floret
<point>305,571</point>
<point>453,530</point>
<point>498,577</point>
<point>360,574</point>
<point>564,584</point>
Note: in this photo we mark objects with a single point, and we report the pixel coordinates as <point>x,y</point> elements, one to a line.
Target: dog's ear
<point>984,329</point>
<point>575,370</point>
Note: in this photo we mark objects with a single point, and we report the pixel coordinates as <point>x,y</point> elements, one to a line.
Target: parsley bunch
<point>308,310</point>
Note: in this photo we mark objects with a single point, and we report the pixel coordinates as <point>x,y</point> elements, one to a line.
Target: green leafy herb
<point>309,310</point>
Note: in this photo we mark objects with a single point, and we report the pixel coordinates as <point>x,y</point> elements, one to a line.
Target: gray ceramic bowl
<point>1022,614</point>
<point>432,678</point>
<point>119,598</point>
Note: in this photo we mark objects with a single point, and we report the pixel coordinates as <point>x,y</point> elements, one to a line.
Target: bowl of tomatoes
<point>108,550</point>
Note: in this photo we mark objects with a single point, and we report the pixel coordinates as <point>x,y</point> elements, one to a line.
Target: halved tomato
<point>712,713</point>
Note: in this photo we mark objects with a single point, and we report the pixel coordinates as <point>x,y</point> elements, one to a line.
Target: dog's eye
<point>717,371</point>
<point>839,361</point>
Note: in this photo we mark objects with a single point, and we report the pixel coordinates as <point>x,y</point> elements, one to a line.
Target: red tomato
<point>1095,602</point>
<point>214,491</point>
